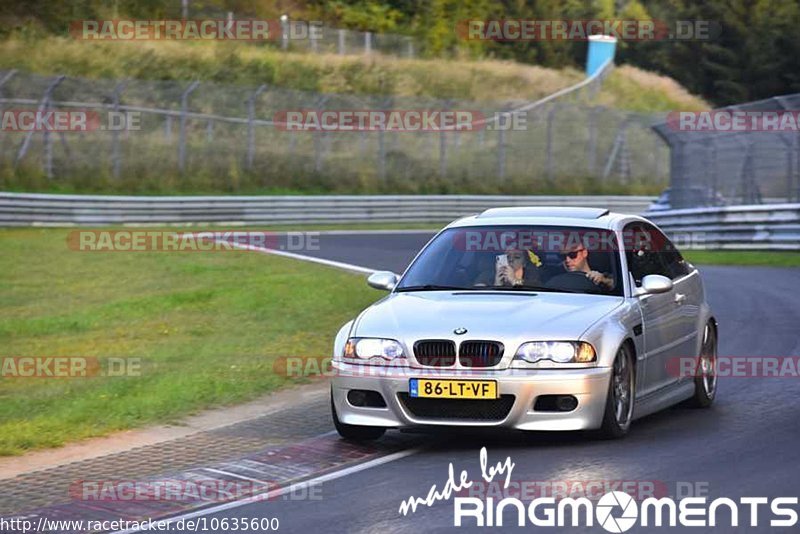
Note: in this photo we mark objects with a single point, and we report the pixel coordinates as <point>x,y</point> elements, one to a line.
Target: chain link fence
<point>719,168</point>
<point>352,42</point>
<point>206,137</point>
<point>297,37</point>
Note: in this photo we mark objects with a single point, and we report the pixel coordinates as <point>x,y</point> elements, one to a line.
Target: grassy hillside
<point>345,163</point>
<point>229,63</point>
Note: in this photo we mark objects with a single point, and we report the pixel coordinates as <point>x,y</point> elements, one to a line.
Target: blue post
<point>601,49</point>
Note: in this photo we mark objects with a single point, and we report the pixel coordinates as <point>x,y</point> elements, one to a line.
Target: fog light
<point>555,403</point>
<point>363,398</point>
<point>566,403</point>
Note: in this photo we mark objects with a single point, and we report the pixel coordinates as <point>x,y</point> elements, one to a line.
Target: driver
<point>575,259</point>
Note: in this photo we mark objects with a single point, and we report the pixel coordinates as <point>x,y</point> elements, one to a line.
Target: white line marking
<point>302,257</point>
<point>277,493</point>
<point>234,475</point>
<point>312,259</point>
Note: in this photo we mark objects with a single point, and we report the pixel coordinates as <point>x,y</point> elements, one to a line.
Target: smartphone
<point>501,261</point>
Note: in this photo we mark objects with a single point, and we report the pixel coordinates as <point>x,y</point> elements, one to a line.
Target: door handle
<point>680,298</point>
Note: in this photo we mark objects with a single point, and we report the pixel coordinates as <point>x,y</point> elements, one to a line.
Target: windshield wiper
<point>533,288</point>
<point>431,287</point>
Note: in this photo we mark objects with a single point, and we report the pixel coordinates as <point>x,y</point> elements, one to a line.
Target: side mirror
<point>653,284</point>
<point>385,280</point>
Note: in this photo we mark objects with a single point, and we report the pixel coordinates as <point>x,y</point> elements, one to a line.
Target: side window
<point>672,259</point>
<point>642,253</point>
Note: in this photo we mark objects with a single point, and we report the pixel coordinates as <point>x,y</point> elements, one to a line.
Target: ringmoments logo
<point>615,511</point>
<point>612,501</point>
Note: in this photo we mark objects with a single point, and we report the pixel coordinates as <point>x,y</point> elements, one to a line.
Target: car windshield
<point>519,258</point>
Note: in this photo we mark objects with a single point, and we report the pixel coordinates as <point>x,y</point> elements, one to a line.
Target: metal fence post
<point>796,187</point>
<point>251,131</point>
<point>48,147</point>
<point>712,165</point>
<point>168,128</point>
<point>368,43</point>
<point>43,104</point>
<point>341,46</point>
<point>443,147</point>
<point>750,191</point>
<point>549,165</point>
<point>501,143</point>
<point>386,104</point>
<point>182,131</point>
<point>591,148</point>
<point>313,41</point>
<point>115,152</point>
<point>10,74</point>
<point>619,150</point>
<point>318,140</point>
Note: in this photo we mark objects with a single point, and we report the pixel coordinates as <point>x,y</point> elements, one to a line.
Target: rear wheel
<point>620,397</point>
<point>705,380</point>
<point>355,432</point>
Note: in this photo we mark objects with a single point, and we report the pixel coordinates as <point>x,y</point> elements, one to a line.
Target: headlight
<point>557,351</point>
<point>367,348</point>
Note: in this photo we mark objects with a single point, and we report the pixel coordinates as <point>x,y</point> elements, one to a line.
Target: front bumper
<point>588,385</point>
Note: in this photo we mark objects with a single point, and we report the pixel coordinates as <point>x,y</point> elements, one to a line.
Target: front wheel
<point>355,432</point>
<point>620,397</point>
<point>705,380</point>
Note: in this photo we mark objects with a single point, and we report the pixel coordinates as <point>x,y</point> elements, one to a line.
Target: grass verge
<point>207,327</point>
<point>744,257</point>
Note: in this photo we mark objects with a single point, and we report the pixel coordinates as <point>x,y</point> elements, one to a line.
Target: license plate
<point>452,389</point>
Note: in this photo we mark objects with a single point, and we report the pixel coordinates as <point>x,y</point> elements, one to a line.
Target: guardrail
<point>774,226</point>
<point>28,209</point>
<point>759,227</point>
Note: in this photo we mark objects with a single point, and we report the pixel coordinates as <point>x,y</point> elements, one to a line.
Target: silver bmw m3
<point>531,319</point>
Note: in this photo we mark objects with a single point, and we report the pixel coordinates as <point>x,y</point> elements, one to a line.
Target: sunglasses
<point>572,255</point>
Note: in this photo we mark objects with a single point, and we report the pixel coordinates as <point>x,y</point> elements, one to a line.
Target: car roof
<point>544,216</point>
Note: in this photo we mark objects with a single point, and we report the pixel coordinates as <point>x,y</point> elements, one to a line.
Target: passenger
<point>517,268</point>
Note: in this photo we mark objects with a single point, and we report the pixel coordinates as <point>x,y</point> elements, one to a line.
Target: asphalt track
<point>746,445</point>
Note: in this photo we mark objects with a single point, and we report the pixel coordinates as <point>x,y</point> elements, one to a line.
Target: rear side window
<point>653,253</point>
<point>642,254</point>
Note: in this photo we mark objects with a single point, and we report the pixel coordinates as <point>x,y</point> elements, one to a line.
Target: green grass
<point>207,327</point>
<point>743,257</point>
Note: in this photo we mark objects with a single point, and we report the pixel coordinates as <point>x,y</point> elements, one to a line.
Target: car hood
<point>509,317</point>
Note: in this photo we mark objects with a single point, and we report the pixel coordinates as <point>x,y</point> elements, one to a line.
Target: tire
<point>620,397</point>
<point>355,432</point>
<point>705,380</point>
